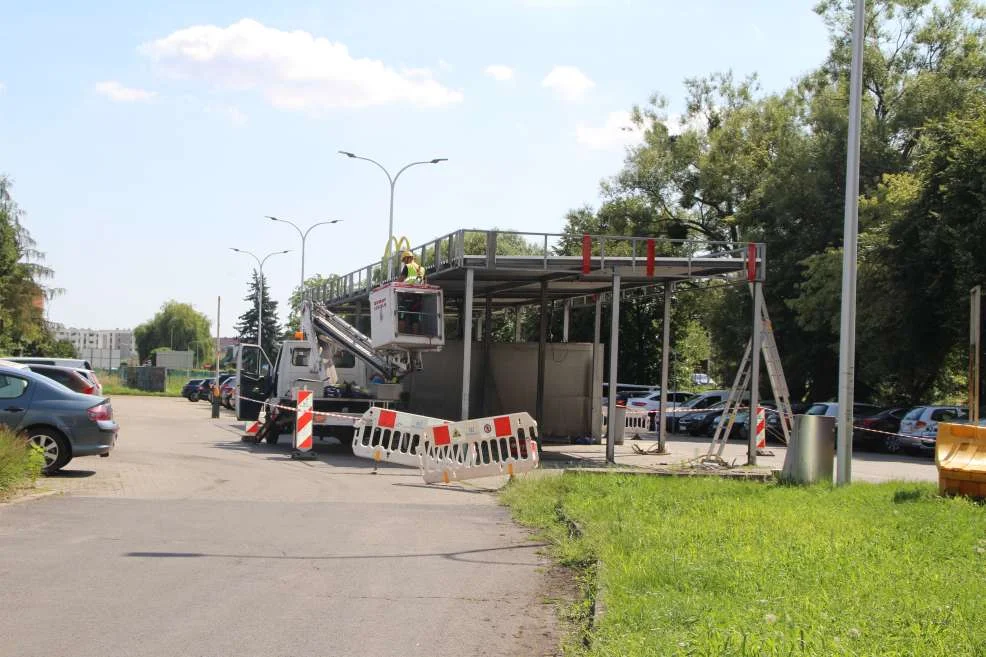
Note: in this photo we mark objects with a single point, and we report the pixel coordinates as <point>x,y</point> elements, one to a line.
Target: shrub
<point>20,462</point>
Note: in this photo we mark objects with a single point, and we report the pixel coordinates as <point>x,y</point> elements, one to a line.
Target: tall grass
<point>20,462</point>
<point>712,567</point>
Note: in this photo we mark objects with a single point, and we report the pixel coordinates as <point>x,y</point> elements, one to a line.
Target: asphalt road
<point>186,542</point>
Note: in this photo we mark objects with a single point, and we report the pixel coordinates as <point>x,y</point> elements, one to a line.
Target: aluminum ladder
<point>778,383</point>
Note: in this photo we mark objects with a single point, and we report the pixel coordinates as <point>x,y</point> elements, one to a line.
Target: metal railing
<point>465,246</point>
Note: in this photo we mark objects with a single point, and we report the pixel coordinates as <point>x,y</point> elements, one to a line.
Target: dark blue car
<point>63,423</point>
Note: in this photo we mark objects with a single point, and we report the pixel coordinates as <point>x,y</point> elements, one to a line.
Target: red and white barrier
<point>303,420</point>
<point>761,428</point>
<point>485,447</point>
<point>393,436</point>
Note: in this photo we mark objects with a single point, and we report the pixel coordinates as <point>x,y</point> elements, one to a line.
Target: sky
<point>146,138</point>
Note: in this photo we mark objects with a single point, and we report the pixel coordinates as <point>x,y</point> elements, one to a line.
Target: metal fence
<point>452,250</point>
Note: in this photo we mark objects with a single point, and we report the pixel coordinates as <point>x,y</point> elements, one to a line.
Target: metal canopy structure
<point>467,266</point>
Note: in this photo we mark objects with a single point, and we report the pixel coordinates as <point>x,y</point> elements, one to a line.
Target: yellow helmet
<point>406,254</point>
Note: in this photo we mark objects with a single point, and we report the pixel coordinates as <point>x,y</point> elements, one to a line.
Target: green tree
<point>23,330</point>
<point>294,317</point>
<point>176,326</point>
<point>246,327</point>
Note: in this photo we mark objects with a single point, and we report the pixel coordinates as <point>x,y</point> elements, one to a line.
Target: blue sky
<point>146,138</point>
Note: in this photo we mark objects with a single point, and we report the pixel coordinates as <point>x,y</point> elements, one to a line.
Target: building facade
<point>104,349</point>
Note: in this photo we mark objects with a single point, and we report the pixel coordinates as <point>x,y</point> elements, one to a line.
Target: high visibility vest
<point>415,273</point>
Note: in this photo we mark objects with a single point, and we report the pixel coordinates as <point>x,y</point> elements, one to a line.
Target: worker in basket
<point>411,271</point>
<point>409,305</point>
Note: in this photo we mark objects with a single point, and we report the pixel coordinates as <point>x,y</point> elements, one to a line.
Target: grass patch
<point>713,567</point>
<point>113,385</point>
<point>20,463</point>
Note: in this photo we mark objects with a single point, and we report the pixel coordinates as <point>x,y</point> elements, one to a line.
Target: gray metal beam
<point>755,352</point>
<point>542,355</point>
<point>662,435</point>
<point>614,352</point>
<point>467,344</point>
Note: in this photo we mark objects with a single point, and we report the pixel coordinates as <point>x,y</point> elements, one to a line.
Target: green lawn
<point>714,567</point>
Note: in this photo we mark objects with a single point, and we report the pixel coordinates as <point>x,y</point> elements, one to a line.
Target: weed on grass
<point>712,567</point>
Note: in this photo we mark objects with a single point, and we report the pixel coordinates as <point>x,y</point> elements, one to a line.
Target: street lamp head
<point>439,159</point>
<point>271,218</point>
<point>347,153</point>
<point>233,248</point>
<point>285,251</point>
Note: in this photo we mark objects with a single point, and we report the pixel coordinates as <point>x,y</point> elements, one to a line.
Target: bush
<point>20,462</point>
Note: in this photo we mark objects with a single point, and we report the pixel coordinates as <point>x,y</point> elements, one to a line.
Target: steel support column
<point>467,343</point>
<point>597,413</point>
<point>755,353</point>
<point>662,428</point>
<point>614,351</point>
<point>542,355</point>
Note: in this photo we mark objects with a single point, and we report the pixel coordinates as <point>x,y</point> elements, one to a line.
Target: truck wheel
<point>347,444</point>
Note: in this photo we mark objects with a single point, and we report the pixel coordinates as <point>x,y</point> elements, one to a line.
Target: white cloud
<point>618,131</point>
<point>676,124</point>
<point>121,94</point>
<point>293,70</point>
<point>568,82</point>
<point>499,72</point>
<point>232,114</point>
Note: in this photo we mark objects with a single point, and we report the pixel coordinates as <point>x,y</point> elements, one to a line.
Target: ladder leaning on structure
<point>778,383</point>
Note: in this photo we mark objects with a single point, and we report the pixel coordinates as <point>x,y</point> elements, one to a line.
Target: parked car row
<point>890,429</point>
<point>57,407</point>
<point>196,389</point>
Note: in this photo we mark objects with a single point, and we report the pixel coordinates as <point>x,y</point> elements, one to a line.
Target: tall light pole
<point>260,289</point>
<point>304,236</point>
<point>393,182</point>
<point>847,329</point>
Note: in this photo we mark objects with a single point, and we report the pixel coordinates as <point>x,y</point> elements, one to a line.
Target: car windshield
<point>818,409</point>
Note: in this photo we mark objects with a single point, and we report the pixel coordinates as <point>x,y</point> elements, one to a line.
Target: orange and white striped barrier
<point>762,432</point>
<point>393,436</point>
<point>303,421</point>
<point>252,428</point>
<point>485,447</point>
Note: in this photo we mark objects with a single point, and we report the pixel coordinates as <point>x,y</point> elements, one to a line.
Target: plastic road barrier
<point>303,420</point>
<point>960,453</point>
<point>485,447</point>
<point>393,436</point>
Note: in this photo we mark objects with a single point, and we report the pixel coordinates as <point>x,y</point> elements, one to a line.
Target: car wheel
<point>194,397</point>
<point>892,444</point>
<point>55,447</point>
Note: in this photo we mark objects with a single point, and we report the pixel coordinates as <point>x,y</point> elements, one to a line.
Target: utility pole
<point>847,329</point>
<point>215,391</point>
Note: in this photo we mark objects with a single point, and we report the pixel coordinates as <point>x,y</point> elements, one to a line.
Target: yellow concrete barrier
<point>960,452</point>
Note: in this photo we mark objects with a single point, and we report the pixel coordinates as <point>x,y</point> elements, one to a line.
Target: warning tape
<point>318,414</point>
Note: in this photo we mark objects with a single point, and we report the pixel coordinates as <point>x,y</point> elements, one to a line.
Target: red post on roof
<point>650,257</point>
<point>586,253</point>
<point>751,261</point>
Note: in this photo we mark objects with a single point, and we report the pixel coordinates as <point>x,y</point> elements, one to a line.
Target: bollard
<point>215,401</point>
<point>810,455</point>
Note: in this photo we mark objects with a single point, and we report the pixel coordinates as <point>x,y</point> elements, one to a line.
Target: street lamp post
<point>393,182</point>
<point>304,236</point>
<point>260,289</point>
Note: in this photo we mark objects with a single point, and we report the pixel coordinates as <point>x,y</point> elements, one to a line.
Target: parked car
<point>78,364</point>
<point>919,427</point>
<point>702,400</point>
<point>880,430</point>
<point>191,388</point>
<point>218,383</point>
<point>652,400</point>
<point>832,409</point>
<point>63,423</point>
<point>692,423</point>
<point>68,377</point>
<point>226,390</point>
